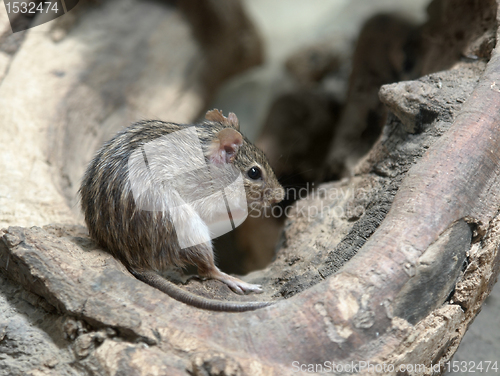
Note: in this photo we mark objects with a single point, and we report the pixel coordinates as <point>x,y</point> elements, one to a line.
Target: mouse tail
<point>155,280</point>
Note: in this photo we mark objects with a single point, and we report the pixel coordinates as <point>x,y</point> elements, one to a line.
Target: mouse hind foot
<point>202,256</point>
<point>237,285</point>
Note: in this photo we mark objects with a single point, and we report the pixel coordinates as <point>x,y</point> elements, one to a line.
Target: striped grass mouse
<point>149,236</point>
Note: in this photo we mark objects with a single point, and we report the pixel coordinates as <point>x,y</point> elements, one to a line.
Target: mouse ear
<point>224,147</point>
<point>216,115</point>
<point>233,121</point>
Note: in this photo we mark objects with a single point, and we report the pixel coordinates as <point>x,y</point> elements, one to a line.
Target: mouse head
<point>230,147</point>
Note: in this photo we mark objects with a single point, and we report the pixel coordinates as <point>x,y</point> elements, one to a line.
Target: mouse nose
<point>279,195</point>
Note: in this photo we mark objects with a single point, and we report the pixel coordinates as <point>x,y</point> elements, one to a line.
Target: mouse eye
<point>254,173</point>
